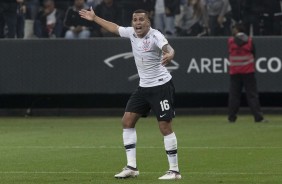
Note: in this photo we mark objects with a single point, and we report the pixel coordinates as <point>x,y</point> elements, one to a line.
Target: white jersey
<point>147,52</point>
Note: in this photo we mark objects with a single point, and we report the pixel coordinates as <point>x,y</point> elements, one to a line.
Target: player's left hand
<point>88,15</point>
<point>167,57</point>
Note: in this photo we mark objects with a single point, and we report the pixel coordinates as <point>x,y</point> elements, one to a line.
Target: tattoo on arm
<point>168,49</point>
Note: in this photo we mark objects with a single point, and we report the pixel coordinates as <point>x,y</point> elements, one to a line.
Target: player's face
<point>141,24</point>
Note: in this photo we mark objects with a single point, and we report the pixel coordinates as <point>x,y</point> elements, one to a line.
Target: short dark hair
<point>142,11</point>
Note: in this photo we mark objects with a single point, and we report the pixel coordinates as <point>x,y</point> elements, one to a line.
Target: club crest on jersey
<point>146,43</point>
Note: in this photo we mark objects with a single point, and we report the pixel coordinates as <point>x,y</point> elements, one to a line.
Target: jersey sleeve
<point>159,39</point>
<point>124,31</point>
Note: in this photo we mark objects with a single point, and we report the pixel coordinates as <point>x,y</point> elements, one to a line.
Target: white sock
<point>170,143</point>
<point>129,142</point>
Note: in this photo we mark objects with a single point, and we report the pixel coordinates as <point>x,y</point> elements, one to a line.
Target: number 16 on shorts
<point>164,105</point>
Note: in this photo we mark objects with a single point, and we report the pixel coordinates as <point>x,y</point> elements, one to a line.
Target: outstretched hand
<point>87,14</point>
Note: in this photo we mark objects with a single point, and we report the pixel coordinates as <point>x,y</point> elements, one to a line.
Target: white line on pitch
<point>89,172</point>
<point>140,147</point>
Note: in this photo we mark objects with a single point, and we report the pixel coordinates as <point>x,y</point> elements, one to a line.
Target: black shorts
<point>159,98</point>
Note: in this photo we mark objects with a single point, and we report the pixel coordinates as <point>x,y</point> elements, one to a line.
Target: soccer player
<point>151,52</point>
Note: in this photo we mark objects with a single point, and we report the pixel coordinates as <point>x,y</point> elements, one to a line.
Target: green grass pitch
<point>89,150</point>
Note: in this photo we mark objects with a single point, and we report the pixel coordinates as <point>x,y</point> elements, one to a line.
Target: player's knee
<point>129,119</point>
<point>165,128</point>
<point>127,122</point>
<point>166,132</point>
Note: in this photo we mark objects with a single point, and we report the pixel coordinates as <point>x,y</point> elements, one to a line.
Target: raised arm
<point>91,16</point>
<point>168,54</point>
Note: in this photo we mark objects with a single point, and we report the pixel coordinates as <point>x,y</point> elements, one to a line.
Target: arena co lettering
<point>207,65</point>
<point>272,65</point>
<point>220,65</point>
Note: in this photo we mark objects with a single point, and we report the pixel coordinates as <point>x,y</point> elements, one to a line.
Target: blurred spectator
<point>220,15</point>
<point>77,27</point>
<point>236,9</point>
<point>147,5</point>
<point>32,7</point>
<point>194,20</point>
<point>251,14</point>
<point>21,13</point>
<point>180,15</point>
<point>109,11</point>
<point>8,16</point>
<point>93,3</point>
<point>63,5</point>
<point>49,21</point>
<point>126,8</point>
<point>271,18</point>
<point>164,13</point>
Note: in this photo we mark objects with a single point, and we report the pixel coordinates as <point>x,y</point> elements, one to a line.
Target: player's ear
<point>149,22</point>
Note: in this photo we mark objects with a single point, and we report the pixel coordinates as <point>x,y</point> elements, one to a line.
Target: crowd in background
<point>60,18</point>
